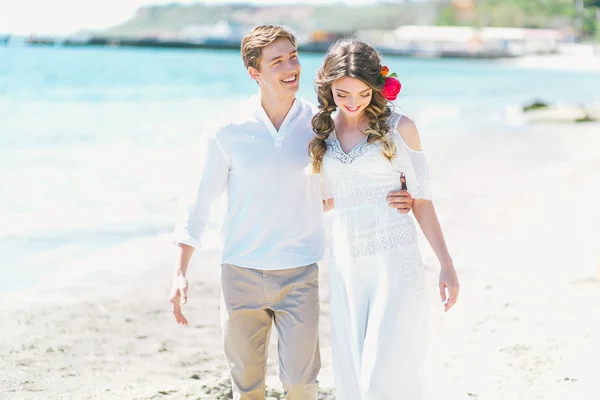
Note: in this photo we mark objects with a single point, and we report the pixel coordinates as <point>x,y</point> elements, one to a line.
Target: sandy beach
<point>577,62</point>
<point>520,213</point>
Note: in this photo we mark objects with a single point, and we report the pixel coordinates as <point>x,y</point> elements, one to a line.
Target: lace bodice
<point>364,175</point>
<point>359,181</point>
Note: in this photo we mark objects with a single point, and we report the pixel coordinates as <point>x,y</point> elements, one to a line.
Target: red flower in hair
<point>391,88</point>
<point>391,84</point>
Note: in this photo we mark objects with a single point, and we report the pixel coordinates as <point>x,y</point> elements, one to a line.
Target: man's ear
<point>253,72</point>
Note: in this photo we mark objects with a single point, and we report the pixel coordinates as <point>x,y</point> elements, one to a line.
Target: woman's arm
<point>425,214</point>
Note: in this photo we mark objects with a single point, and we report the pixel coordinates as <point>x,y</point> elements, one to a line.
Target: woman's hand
<point>449,286</point>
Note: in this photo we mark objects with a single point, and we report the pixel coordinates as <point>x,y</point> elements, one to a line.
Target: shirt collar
<point>288,122</point>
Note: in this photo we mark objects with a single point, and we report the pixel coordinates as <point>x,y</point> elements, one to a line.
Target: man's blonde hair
<point>259,38</point>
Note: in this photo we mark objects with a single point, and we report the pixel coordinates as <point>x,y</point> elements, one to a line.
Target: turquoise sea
<point>93,140</point>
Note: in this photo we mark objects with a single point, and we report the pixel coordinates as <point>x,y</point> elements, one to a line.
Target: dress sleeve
<point>417,177</point>
<point>412,163</point>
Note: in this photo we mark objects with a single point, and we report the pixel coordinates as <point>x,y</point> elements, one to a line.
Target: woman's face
<point>351,95</point>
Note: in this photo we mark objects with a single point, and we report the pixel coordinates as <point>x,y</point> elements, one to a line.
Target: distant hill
<point>340,18</point>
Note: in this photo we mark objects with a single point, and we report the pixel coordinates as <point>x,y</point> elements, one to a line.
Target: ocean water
<point>95,142</point>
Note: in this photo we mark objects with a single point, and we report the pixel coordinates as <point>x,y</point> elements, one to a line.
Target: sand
<point>520,213</point>
<point>573,56</point>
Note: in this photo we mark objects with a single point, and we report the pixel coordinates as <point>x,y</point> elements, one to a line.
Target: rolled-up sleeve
<point>200,192</point>
<point>326,192</point>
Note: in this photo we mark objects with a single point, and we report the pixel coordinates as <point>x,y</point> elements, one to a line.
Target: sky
<point>57,17</point>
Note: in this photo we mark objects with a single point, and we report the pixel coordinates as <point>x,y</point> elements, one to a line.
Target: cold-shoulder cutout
<point>409,134</point>
<point>409,155</point>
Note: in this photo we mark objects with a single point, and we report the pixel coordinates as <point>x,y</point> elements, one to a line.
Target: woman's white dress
<point>378,304</point>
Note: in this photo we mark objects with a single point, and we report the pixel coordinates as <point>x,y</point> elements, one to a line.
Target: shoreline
<point>310,47</point>
<point>566,61</point>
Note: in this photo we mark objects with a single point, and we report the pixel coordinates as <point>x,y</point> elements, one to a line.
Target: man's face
<point>279,69</point>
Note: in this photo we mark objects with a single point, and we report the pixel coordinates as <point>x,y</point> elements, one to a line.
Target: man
<point>273,230</point>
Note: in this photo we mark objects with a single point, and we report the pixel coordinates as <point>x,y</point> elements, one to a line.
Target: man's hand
<point>179,297</point>
<point>400,199</point>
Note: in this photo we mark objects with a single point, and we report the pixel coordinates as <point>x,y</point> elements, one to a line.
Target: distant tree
<point>588,18</point>
<point>447,16</point>
<point>512,13</point>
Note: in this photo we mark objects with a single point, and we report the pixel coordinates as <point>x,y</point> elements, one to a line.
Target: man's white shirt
<point>274,217</point>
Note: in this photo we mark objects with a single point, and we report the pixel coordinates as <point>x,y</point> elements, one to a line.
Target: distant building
<point>518,41</point>
<point>463,40</point>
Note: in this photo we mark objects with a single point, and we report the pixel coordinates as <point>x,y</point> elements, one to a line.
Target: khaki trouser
<point>251,301</point>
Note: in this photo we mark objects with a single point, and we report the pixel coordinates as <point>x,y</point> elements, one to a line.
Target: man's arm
<point>178,296</point>
<point>207,182</point>
<point>192,219</point>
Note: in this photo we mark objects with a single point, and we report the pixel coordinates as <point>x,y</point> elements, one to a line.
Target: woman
<point>378,305</point>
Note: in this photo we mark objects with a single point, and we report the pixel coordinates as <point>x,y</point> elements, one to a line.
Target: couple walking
<point>282,163</point>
